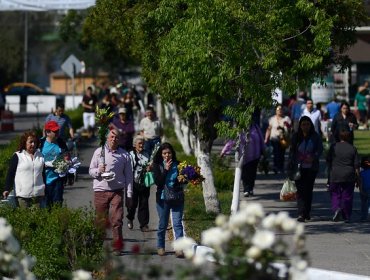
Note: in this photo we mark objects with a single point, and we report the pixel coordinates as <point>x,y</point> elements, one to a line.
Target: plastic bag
<point>149,179</point>
<point>288,191</point>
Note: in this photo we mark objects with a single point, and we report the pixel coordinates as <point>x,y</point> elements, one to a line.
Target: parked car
<point>26,89</point>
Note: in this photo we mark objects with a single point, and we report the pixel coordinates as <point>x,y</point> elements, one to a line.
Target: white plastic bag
<point>288,191</point>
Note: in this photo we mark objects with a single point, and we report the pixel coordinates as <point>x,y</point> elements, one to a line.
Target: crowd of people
<point>34,178</point>
<point>297,128</point>
<point>133,148</point>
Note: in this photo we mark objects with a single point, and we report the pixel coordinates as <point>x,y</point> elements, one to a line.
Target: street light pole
<point>25,51</point>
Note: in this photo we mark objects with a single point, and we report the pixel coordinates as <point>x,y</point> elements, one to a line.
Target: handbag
<point>173,195</point>
<point>149,179</point>
<point>288,191</point>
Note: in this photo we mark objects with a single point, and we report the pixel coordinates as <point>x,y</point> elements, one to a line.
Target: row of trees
<point>219,60</point>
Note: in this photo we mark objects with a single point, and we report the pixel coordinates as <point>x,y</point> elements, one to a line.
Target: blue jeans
<point>54,192</point>
<point>150,144</point>
<point>163,210</point>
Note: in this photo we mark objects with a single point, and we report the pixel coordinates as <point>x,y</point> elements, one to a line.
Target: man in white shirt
<point>151,129</point>
<point>313,114</point>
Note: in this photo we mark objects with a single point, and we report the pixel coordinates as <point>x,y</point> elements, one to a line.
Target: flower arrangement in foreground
<point>189,174</point>
<point>14,262</point>
<point>249,245</point>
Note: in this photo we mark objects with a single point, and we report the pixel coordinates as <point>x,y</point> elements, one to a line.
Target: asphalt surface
<point>332,246</point>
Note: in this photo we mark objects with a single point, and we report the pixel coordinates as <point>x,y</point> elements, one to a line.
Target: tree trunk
<point>239,156</point>
<point>182,132</point>
<point>209,191</point>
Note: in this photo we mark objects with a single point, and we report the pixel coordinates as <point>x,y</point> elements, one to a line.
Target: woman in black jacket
<point>305,152</point>
<point>165,175</point>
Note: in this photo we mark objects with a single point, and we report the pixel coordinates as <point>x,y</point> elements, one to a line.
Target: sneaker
<point>161,252</point>
<point>300,219</point>
<point>336,217</point>
<point>246,194</point>
<point>179,254</point>
<point>130,224</point>
<point>308,217</point>
<point>144,229</point>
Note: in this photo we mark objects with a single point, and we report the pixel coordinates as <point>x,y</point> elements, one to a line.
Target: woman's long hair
<point>158,159</point>
<point>300,135</point>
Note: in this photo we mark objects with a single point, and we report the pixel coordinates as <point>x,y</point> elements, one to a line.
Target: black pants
<point>249,173</point>
<point>279,153</point>
<point>140,199</point>
<point>305,191</point>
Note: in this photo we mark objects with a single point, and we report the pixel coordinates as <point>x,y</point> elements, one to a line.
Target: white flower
<point>253,252</point>
<point>221,220</point>
<point>238,220</point>
<point>269,221</point>
<point>299,230</point>
<point>254,209</point>
<point>81,275</point>
<point>263,239</point>
<point>5,230</point>
<point>186,245</point>
<point>288,225</point>
<point>12,245</point>
<point>281,217</point>
<point>215,237</point>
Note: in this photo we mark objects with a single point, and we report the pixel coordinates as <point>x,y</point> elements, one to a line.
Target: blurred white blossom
<point>248,237</point>
<point>13,260</point>
<point>81,275</point>
<point>263,239</point>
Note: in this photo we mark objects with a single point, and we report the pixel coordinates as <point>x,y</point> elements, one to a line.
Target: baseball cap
<point>122,111</point>
<point>52,125</point>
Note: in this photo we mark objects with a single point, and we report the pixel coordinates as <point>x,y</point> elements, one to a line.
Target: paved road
<point>332,246</point>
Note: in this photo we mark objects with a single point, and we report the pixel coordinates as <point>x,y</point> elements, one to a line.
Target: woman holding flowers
<point>165,169</point>
<point>141,193</point>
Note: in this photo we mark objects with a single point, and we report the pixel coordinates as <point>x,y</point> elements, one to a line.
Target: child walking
<point>365,187</point>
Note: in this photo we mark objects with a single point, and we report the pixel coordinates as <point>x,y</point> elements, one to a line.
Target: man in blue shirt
<point>332,108</point>
<point>62,120</point>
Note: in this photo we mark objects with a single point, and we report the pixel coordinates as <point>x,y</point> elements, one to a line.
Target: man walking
<point>313,114</point>
<point>151,129</point>
<point>109,191</point>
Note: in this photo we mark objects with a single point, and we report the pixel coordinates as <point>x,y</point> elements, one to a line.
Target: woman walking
<point>344,168</point>
<point>343,120</point>
<point>305,152</point>
<point>279,126</point>
<point>165,176</point>
<point>25,172</point>
<point>140,193</point>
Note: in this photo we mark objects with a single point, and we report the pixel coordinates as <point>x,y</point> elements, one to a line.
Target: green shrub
<point>6,152</point>
<point>76,117</point>
<point>61,239</point>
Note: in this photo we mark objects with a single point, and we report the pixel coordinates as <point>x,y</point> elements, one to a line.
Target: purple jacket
<point>255,147</point>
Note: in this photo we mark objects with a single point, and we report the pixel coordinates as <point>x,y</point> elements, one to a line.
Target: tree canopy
<point>205,55</point>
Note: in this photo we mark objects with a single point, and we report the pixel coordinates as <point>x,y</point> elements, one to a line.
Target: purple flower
<point>189,172</point>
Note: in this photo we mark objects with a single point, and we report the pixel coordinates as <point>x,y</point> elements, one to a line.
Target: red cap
<point>52,125</point>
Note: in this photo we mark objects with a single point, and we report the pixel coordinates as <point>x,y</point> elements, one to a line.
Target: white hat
<point>122,110</point>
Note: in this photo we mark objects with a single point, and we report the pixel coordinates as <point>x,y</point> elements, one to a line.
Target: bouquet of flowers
<point>189,174</point>
<point>64,164</point>
<point>102,119</point>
